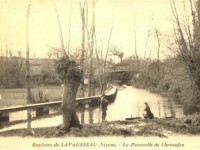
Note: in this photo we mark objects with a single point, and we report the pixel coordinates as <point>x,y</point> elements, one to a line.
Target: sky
<point>124,15</point>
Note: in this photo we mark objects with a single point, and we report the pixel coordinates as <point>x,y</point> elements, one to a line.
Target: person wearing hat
<point>104,107</point>
<point>148,114</point>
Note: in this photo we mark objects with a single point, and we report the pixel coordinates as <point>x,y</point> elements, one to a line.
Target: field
<point>11,97</point>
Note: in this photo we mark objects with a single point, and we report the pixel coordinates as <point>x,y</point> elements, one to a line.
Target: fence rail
<point>46,104</point>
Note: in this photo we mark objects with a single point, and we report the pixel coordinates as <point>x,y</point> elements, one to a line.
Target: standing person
<point>104,107</point>
<point>149,114</point>
<point>40,95</point>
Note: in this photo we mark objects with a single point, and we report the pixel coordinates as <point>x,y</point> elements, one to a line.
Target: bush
<point>190,108</point>
<point>126,77</point>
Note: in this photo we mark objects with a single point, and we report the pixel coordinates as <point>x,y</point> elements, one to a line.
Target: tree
<point>146,43</point>
<point>19,69</point>
<point>12,71</point>
<point>99,63</point>
<point>136,54</point>
<point>105,60</point>
<point>71,75</point>
<point>120,55</point>
<point>114,51</point>
<point>69,30</point>
<point>28,86</point>
<point>91,69</point>
<point>187,38</point>
<point>157,33</point>
<point>82,12</point>
<point>60,31</point>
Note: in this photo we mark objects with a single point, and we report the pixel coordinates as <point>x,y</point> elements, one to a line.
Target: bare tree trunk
<point>176,16</point>
<point>108,45</point>
<point>70,118</point>
<point>146,43</point>
<point>28,86</point>
<point>60,33</point>
<point>82,61</point>
<point>105,63</point>
<point>98,63</point>
<point>19,66</point>
<point>7,64</point>
<point>158,52</point>
<point>91,70</point>
<point>69,31</point>
<point>136,55</point>
<point>71,75</point>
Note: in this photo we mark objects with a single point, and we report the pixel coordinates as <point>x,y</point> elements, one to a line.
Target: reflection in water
<point>159,109</point>
<point>129,103</point>
<point>91,120</point>
<point>19,115</point>
<point>89,115</point>
<point>82,116</point>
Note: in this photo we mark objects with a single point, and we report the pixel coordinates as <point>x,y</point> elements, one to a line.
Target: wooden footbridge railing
<point>4,112</point>
<point>46,104</point>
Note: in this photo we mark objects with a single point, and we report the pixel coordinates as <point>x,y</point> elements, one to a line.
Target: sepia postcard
<point>100,74</point>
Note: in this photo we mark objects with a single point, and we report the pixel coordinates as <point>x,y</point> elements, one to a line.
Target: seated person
<point>148,114</point>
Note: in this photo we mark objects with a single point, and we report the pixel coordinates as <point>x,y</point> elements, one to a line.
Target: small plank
<point>133,118</point>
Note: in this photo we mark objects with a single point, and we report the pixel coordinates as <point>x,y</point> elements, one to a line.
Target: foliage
<point>190,108</point>
<point>179,77</point>
<point>115,51</point>
<point>187,38</point>
<point>12,72</point>
<point>148,76</point>
<point>47,75</point>
<point>187,48</point>
<point>68,69</point>
<point>174,81</point>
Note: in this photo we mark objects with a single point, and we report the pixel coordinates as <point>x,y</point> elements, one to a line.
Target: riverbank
<point>133,128</point>
<point>130,98</point>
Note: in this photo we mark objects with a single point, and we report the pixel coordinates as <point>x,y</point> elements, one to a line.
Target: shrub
<point>189,107</point>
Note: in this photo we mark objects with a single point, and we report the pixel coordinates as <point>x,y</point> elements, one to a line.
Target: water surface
<point>129,103</point>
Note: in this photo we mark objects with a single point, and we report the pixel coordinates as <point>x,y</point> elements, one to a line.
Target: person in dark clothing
<point>149,114</point>
<point>104,107</point>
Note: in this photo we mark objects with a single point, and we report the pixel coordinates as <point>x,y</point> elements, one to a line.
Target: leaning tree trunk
<point>70,118</point>
<point>71,75</point>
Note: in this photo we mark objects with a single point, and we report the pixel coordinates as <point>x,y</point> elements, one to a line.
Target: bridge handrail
<point>45,104</point>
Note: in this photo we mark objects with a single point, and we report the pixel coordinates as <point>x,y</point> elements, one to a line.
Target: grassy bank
<point>141,127</point>
<point>10,97</point>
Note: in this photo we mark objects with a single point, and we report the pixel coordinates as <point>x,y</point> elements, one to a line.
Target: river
<point>129,103</point>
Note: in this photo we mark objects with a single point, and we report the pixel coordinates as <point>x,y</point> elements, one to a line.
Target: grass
<point>178,126</point>
<point>10,97</point>
<point>116,128</point>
